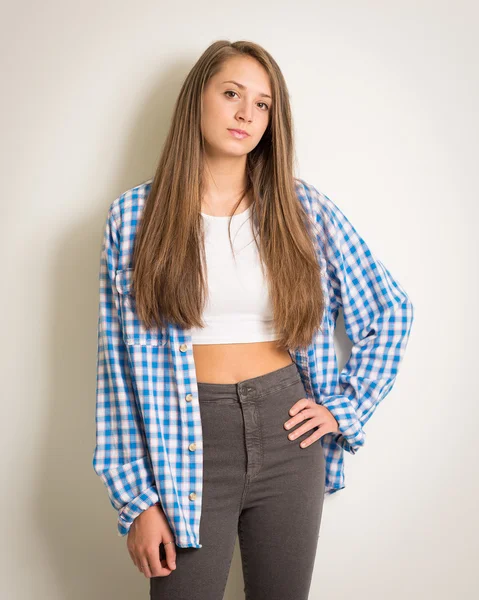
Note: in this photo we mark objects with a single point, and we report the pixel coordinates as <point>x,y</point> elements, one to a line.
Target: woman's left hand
<point>313,415</point>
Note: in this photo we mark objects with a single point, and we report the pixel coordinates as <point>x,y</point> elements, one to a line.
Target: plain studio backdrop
<point>384,98</point>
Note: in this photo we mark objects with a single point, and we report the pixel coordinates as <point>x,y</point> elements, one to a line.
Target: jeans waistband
<point>249,389</point>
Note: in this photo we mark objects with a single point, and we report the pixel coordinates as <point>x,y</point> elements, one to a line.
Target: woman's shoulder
<point>125,209</point>
<point>323,211</point>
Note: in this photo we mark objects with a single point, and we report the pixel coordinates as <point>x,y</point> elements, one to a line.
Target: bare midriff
<point>231,363</point>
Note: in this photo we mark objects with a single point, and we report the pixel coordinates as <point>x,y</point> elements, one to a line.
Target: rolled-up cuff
<point>133,509</point>
<point>351,435</point>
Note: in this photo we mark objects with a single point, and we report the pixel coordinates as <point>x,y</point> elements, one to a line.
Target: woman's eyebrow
<point>243,87</point>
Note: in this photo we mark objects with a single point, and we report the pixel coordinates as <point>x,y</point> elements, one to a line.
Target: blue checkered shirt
<point>148,430</point>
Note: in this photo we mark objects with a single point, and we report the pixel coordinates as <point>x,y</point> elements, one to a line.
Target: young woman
<point>220,409</point>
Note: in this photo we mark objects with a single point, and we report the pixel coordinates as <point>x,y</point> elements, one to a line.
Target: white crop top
<point>238,308</point>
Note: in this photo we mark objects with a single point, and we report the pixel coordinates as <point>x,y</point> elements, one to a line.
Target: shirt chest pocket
<point>134,331</point>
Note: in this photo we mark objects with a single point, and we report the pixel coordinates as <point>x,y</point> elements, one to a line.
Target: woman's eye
<point>232,92</point>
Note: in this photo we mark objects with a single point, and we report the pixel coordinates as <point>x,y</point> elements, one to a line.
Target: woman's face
<point>227,106</point>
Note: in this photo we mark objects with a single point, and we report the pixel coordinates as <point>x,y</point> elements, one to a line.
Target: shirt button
<point>183,347</point>
<point>192,496</point>
<point>189,397</point>
<point>192,446</point>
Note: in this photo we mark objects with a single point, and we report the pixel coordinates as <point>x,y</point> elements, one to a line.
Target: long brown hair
<point>169,255</point>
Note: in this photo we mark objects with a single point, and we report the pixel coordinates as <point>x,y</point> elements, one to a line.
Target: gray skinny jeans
<point>257,484</point>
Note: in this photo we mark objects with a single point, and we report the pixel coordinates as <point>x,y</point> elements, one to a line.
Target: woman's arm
<point>120,457</point>
<point>378,316</point>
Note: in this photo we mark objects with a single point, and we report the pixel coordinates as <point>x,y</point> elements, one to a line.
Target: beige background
<point>385,98</point>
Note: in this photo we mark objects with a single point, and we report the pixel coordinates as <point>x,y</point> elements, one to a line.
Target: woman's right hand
<point>146,533</point>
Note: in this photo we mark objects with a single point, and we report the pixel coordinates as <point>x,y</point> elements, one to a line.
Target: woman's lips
<point>237,134</point>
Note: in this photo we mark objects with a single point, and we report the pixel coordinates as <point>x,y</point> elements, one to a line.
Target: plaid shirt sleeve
<point>378,316</point>
<point>120,458</point>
